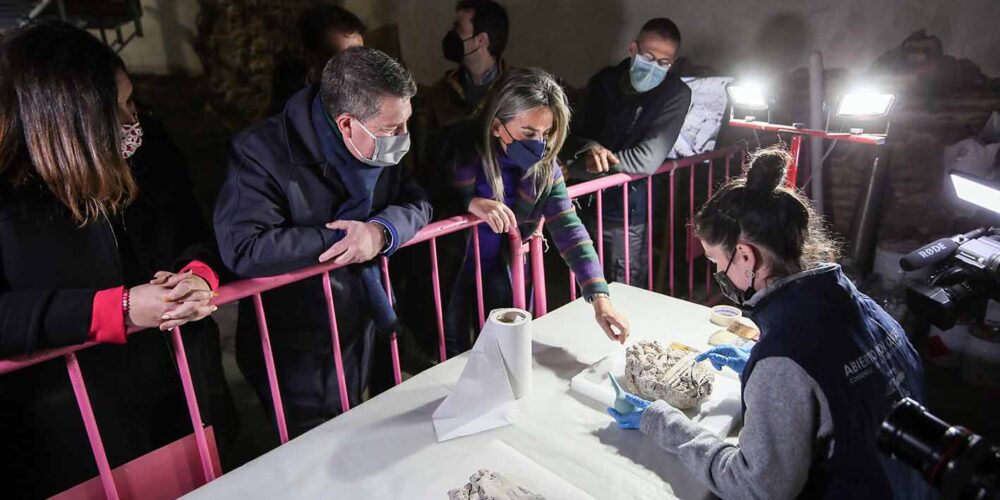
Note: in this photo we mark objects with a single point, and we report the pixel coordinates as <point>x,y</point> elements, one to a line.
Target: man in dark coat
<point>318,182</point>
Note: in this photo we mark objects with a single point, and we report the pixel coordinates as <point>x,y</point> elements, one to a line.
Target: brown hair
<point>759,209</point>
<point>59,118</point>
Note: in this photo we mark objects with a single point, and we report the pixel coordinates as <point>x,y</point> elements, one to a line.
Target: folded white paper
<point>498,372</point>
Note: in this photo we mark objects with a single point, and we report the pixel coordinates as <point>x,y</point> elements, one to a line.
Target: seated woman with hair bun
<point>828,368</point>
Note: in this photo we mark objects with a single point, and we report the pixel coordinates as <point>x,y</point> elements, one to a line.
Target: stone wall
<point>941,100</point>
<point>238,42</point>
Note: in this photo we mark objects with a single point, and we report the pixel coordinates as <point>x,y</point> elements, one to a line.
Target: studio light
<point>747,100</point>
<point>747,97</point>
<point>860,105</point>
<point>977,190</point>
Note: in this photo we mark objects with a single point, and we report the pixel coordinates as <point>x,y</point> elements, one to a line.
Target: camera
<point>966,276</point>
<point>954,460</point>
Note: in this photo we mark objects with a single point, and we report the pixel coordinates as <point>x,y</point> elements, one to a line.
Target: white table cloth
<point>386,447</point>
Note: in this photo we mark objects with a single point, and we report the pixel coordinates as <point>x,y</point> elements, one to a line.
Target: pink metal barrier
<point>253,288</point>
<point>671,168</point>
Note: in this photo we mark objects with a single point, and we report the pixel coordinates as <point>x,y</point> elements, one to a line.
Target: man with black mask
<point>628,122</point>
<point>476,42</point>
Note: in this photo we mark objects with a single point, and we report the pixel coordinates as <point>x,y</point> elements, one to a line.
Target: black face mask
<point>453,47</point>
<point>730,290</point>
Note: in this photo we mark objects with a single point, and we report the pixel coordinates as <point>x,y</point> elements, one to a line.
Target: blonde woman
<point>510,179</point>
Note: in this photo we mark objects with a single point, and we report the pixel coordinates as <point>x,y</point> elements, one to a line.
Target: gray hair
<point>521,90</point>
<point>355,79</point>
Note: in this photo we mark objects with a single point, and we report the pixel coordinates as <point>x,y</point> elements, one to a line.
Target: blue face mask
<point>645,75</point>
<point>525,153</point>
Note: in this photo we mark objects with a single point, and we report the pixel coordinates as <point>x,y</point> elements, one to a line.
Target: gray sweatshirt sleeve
<point>648,154</point>
<point>787,425</point>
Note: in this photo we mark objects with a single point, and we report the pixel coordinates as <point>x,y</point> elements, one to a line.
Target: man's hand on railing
<point>609,319</point>
<point>498,216</point>
<point>599,159</point>
<point>362,241</point>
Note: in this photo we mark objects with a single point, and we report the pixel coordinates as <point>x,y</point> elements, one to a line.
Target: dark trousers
<point>614,248</point>
<point>461,320</point>
<point>307,376</point>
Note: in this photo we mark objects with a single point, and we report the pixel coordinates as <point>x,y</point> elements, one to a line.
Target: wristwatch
<point>387,238</point>
<point>594,296</point>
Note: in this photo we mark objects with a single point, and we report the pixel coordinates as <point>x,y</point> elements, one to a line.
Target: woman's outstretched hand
<point>609,319</point>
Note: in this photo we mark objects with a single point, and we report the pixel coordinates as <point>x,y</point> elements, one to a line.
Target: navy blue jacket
<point>862,361</point>
<point>271,213</point>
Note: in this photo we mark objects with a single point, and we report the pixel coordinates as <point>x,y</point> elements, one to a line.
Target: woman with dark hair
<point>97,235</point>
<point>829,365</point>
<point>509,179</point>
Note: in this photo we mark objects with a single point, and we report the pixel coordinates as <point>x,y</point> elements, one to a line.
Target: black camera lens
<point>920,439</point>
<point>951,458</point>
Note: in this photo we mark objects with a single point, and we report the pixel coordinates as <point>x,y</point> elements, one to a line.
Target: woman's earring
<point>749,274</point>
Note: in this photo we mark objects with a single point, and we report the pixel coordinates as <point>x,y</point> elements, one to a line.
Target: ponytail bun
<point>767,169</point>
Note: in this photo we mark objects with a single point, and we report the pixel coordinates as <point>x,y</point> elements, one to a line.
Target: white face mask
<point>131,139</point>
<point>388,151</point>
<point>645,75</point>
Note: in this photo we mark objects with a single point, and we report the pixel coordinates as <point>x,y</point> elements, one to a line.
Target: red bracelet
<point>125,301</point>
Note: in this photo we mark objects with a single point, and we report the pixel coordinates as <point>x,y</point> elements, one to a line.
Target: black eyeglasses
<point>664,63</point>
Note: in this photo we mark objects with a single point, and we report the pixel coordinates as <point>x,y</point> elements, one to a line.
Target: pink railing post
<point>90,424</point>
<point>517,269</point>
<point>338,358</point>
<point>538,275</point>
<point>192,402</point>
<point>272,373</point>
<point>625,211</point>
<point>708,265</point>
<point>649,233</point>
<point>480,307</point>
<point>600,226</point>
<point>690,234</point>
<point>436,283</point>
<point>670,228</point>
<point>397,372</point>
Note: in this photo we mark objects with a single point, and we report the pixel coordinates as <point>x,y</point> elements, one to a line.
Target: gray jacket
<point>788,426</point>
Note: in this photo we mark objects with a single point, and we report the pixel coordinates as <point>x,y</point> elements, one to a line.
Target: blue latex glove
<point>726,355</point>
<point>630,420</point>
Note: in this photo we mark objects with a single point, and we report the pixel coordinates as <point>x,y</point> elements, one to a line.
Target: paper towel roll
<point>512,329</point>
